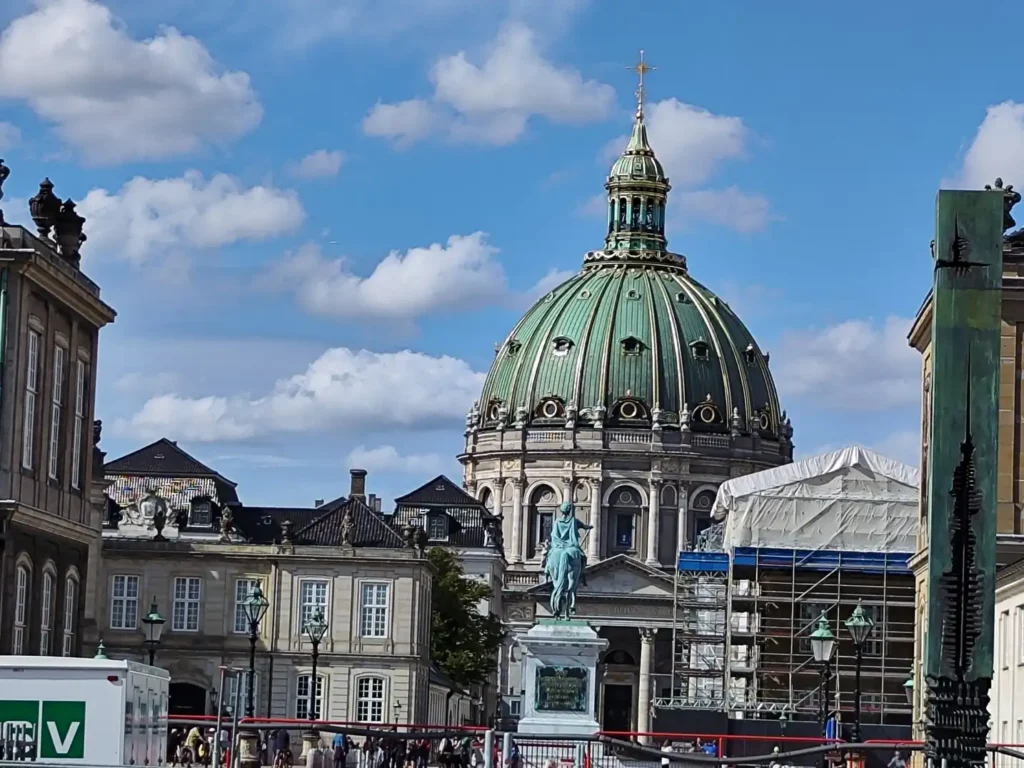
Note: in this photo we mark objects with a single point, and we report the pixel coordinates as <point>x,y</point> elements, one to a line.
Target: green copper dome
<point>632,340</point>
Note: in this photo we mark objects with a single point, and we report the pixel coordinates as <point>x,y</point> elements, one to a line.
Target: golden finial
<point>641,68</point>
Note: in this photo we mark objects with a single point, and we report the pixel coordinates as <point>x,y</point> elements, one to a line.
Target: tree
<point>463,642</point>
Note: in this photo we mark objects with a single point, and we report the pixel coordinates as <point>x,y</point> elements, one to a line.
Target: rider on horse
<point>564,560</point>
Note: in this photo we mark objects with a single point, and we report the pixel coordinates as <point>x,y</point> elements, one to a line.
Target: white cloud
<point>10,135</point>
<point>149,216</point>
<point>117,99</point>
<point>321,164</point>
<point>729,207</point>
<point>342,389</point>
<point>857,365</point>
<point>904,446</point>
<point>386,458</point>
<point>462,274</point>
<point>147,384</point>
<point>997,149</point>
<point>492,103</point>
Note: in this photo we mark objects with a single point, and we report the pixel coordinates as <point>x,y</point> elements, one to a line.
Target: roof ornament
<point>641,68</point>
<point>1010,198</point>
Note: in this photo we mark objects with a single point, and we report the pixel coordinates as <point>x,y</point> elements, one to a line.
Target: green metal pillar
<point>966,316</point>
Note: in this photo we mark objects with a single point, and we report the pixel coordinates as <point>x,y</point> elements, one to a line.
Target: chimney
<point>371,501</point>
<point>358,489</point>
<point>318,503</point>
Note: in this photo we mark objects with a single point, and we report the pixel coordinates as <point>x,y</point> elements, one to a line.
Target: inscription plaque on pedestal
<point>561,689</point>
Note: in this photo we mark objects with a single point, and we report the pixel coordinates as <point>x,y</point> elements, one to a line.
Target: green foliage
<point>463,643</point>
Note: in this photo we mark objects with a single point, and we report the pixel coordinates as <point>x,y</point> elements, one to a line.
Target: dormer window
<point>513,348</point>
<point>682,298</point>
<point>631,345</point>
<point>437,527</point>
<point>750,354</point>
<point>630,410</point>
<point>561,345</point>
<point>494,410</point>
<point>201,513</point>
<point>551,408</point>
<point>707,413</point>
<point>701,350</point>
<point>632,293</point>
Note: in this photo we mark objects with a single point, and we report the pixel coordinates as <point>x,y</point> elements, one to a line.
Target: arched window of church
<point>700,514</point>
<point>668,525</point>
<point>543,503</point>
<point>634,222</point>
<point>625,508</point>
<point>487,499</point>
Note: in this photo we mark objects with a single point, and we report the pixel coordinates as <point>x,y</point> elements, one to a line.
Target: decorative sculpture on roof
<point>45,208</point>
<point>68,232</point>
<point>227,524</point>
<point>97,431</point>
<point>286,532</point>
<point>4,173</point>
<point>565,560</point>
<point>348,528</point>
<point>1010,198</point>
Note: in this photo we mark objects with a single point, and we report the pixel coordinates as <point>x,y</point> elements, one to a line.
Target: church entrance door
<point>618,708</point>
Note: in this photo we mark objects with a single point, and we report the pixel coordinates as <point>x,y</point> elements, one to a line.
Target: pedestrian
<point>666,748</point>
<point>514,758</point>
<point>339,746</point>
<point>897,760</point>
<point>282,748</point>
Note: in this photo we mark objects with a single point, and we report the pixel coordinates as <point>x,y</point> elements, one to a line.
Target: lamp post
<point>153,624</point>
<point>908,688</point>
<point>860,626</point>
<point>315,629</point>
<point>255,608</point>
<point>783,720</point>
<point>823,643</point>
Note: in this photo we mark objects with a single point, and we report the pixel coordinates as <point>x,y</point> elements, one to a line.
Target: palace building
<point>635,392</point>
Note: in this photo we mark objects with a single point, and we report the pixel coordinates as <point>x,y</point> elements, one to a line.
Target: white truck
<point>86,711</point>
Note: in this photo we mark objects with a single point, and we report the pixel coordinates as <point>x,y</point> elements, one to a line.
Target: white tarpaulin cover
<point>852,499</point>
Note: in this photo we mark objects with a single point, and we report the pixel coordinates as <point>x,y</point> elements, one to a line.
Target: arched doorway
<point>543,503</point>
<point>186,699</point>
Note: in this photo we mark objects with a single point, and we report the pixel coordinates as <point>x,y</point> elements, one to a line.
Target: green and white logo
<point>57,727</point>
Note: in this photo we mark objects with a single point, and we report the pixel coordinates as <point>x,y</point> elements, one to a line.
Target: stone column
<point>653,522</point>
<point>683,500</point>
<point>567,489</point>
<point>594,544</point>
<point>517,521</point>
<point>643,704</point>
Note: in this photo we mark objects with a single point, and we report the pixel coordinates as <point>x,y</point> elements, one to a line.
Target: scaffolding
<point>742,624</point>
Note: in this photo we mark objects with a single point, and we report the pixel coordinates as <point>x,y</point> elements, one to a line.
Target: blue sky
<point>317,217</point>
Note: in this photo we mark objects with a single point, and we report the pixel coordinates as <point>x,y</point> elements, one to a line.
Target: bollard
<point>506,749</point>
<point>489,749</point>
<point>579,754</point>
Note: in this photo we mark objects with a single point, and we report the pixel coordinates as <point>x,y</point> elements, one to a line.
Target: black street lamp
<point>860,626</point>
<point>315,630</point>
<point>255,608</point>
<point>823,643</point>
<point>154,627</point>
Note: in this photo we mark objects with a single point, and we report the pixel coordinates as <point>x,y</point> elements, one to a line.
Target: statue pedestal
<point>560,678</point>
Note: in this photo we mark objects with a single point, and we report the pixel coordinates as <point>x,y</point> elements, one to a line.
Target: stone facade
<point>49,329</point>
<point>381,637</point>
<point>1007,705</point>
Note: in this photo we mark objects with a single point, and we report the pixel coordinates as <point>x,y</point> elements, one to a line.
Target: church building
<point>633,391</point>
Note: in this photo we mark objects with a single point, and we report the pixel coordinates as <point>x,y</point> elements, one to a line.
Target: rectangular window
<point>46,619</point>
<point>624,531</point>
<point>1019,614</point>
<point>809,615</point>
<point>374,610</point>
<point>20,610</point>
<point>124,602</point>
<point>302,698</point>
<point>242,679</point>
<point>312,598</point>
<point>243,588</point>
<point>544,521</point>
<point>1004,638</point>
<point>76,445</point>
<point>370,700</point>
<point>185,615</point>
<point>31,391</point>
<point>70,615</point>
<point>437,527</point>
<point>56,410</point>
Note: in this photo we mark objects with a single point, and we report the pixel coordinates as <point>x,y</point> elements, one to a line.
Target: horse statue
<point>564,560</point>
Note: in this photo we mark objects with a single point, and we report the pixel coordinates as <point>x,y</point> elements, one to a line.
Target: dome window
<point>494,410</point>
<point>750,354</point>
<point>513,348</point>
<point>584,295</point>
<point>682,298</point>
<point>632,293</point>
<point>561,345</point>
<point>701,350</point>
<point>707,413</point>
<point>551,408</point>
<point>631,345</point>
<point>630,410</point>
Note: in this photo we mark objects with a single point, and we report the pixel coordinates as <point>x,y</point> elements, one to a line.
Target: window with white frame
<point>1004,639</point>
<point>233,691</point>
<point>56,410</point>
<point>31,392</point>
<point>302,697</point>
<point>312,598</point>
<point>185,613</point>
<point>124,602</point>
<point>46,614</point>
<point>1019,615</point>
<point>76,445</point>
<point>243,589</point>
<point>374,610</point>
<point>22,581</point>
<point>70,614</point>
<point>370,700</point>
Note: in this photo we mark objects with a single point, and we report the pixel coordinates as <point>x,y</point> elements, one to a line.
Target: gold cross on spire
<point>641,68</point>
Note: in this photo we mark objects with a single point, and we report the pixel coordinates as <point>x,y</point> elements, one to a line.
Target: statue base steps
<point>560,678</point>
